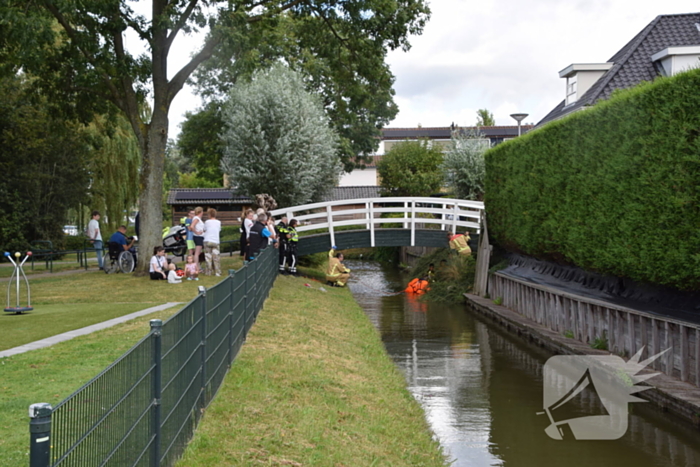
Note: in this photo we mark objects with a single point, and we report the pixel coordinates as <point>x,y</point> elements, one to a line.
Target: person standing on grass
<point>212,231</point>
<point>292,242</point>
<point>95,237</point>
<point>281,228</point>
<point>197,228</point>
<point>187,222</point>
<point>258,240</point>
<point>247,225</point>
<point>158,264</point>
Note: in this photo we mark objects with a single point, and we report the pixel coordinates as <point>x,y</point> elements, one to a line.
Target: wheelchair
<point>116,259</point>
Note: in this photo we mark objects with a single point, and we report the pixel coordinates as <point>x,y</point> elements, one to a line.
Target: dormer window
<point>674,60</point>
<point>580,77</point>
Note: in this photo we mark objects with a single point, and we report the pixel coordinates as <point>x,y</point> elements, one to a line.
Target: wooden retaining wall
<point>588,319</point>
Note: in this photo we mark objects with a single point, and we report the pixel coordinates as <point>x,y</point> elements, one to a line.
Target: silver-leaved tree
<point>278,139</point>
<point>464,165</point>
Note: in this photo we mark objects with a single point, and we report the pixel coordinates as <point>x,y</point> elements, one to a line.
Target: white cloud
<point>503,55</point>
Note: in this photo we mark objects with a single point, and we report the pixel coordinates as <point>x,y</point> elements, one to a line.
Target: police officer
<point>292,243</point>
<point>282,231</point>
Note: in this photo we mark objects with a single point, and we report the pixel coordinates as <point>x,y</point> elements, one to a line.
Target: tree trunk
<point>151,181</point>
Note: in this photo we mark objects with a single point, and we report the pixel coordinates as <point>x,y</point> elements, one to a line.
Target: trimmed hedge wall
<point>613,189</point>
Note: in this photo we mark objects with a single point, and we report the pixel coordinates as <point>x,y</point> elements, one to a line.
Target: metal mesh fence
<point>143,409</point>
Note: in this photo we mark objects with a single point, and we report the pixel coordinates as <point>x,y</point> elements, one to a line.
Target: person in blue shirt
<point>120,238</point>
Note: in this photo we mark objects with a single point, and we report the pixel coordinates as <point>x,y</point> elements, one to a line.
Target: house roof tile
<point>189,196</point>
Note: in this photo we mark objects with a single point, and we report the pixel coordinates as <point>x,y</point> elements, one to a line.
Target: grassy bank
<point>313,385</point>
<point>64,303</point>
<point>52,374</point>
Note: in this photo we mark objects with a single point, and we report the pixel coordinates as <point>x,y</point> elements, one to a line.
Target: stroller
<point>175,240</point>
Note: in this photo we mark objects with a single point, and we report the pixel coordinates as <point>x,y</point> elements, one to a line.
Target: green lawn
<point>64,303</point>
<point>54,373</point>
<point>313,385</point>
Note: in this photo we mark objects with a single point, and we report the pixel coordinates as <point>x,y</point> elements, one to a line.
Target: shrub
<point>613,189</point>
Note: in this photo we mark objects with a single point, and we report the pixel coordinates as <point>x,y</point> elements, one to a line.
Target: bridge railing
<point>414,212</point>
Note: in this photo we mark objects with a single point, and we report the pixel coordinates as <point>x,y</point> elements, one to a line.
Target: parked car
<point>71,230</point>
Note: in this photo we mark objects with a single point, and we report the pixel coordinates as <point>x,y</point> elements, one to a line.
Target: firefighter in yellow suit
<point>337,274</point>
<point>459,243</point>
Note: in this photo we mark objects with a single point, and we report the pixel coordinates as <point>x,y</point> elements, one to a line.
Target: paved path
<point>49,341</point>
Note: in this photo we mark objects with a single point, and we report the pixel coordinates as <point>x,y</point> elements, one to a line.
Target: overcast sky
<point>502,55</point>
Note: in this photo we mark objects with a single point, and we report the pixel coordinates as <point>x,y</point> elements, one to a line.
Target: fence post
<point>231,272</point>
<point>157,330</point>
<point>39,434</point>
<point>203,295</point>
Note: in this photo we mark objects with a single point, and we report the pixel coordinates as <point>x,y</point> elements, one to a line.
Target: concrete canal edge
<point>669,394</point>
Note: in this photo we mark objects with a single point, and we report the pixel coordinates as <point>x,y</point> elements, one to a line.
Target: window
<point>570,90</point>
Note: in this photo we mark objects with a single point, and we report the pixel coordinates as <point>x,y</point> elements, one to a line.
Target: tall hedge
<point>614,188</point>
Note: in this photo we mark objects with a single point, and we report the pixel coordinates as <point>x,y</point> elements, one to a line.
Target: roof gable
<point>633,63</point>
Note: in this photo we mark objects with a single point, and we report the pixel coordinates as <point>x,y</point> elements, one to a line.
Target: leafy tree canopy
<point>200,143</point>
<point>411,168</point>
<point>484,118</point>
<point>464,165</point>
<point>43,160</point>
<point>278,140</point>
<point>78,52</point>
<point>346,68</point>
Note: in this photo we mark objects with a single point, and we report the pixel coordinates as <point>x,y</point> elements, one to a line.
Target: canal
<point>482,388</point>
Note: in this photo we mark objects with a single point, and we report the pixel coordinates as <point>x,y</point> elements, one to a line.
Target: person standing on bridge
<point>337,274</point>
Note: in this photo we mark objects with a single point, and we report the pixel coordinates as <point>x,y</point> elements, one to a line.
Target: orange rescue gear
<point>417,286</point>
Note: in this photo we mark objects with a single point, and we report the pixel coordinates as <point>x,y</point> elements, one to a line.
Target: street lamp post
<point>519,118</point>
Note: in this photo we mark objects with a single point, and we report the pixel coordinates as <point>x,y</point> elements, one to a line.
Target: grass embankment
<point>313,385</point>
<point>52,374</point>
<point>64,303</point>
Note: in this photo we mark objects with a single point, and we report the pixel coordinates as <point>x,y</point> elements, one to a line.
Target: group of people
<point>201,236</point>
<point>162,268</point>
<point>259,230</point>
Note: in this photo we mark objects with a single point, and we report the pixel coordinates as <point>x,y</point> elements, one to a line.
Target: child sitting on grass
<point>191,269</point>
<point>173,278</point>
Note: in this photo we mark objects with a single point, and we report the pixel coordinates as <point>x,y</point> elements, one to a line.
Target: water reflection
<point>481,389</point>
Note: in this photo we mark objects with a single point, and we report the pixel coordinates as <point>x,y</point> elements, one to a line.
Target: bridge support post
<point>413,223</point>
<point>329,219</point>
<point>371,225</point>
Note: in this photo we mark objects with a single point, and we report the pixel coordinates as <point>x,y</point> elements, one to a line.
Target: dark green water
<point>481,388</point>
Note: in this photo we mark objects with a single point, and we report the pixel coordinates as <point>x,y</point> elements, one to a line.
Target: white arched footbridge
<point>372,222</point>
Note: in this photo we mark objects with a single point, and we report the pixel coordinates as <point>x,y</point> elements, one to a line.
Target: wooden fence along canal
<point>587,319</point>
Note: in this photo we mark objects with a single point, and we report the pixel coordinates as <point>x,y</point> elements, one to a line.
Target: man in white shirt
<point>94,236</point>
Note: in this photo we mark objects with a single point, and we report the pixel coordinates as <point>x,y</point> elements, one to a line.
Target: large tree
<point>411,168</point>
<point>78,52</point>
<point>278,140</point>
